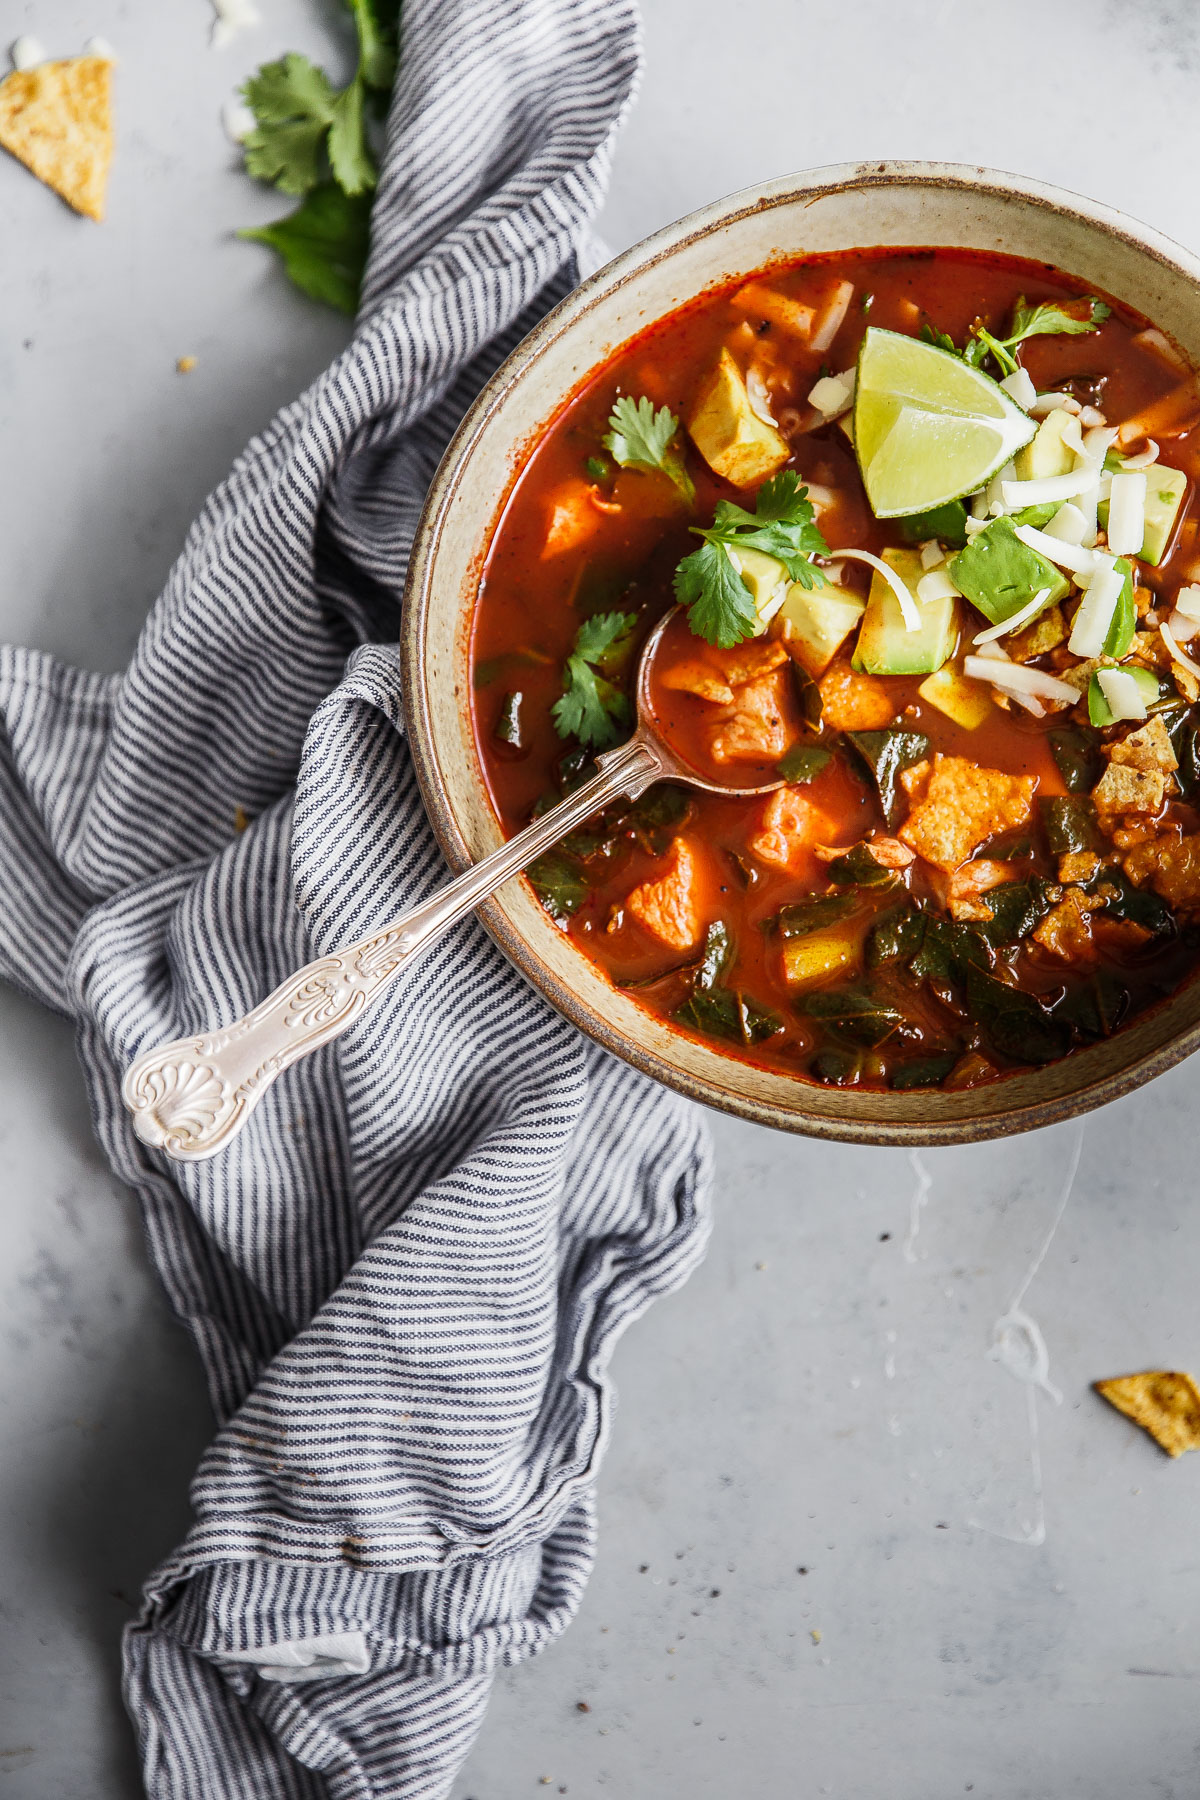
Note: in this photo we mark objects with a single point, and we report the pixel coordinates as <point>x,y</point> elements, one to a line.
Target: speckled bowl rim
<point>1003,1120</point>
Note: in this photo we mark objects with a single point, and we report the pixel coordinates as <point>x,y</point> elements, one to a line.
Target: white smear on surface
<point>232,16</point>
<point>27,53</point>
<point>238,120</point>
<point>100,46</point>
<point>920,1194</point>
<point>1018,1346</point>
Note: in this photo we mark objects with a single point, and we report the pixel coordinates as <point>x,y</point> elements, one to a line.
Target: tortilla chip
<point>56,118</point>
<point>1164,1402</point>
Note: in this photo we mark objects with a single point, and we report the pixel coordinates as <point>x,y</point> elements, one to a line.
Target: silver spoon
<point>190,1097</point>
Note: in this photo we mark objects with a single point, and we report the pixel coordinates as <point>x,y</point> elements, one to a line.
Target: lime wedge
<point>927,427</point>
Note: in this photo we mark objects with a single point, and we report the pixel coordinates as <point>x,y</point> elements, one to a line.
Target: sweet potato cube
<point>734,442</point>
<point>668,908</point>
<point>854,702</point>
<point>813,958</point>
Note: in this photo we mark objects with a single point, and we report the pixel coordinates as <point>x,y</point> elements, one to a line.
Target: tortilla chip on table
<point>56,118</point>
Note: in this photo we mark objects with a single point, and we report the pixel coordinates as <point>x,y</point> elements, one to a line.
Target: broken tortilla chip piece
<point>1164,1402</point>
<point>56,118</point>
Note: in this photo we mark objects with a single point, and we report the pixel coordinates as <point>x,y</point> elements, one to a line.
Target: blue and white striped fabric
<point>406,1278</point>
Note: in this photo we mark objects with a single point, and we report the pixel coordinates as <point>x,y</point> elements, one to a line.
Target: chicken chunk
<point>958,806</point>
<point>968,885</point>
<point>854,702</point>
<point>700,679</point>
<point>1171,869</point>
<point>669,907</point>
<point>754,728</point>
<point>789,827</point>
<point>1066,930</point>
<point>574,516</point>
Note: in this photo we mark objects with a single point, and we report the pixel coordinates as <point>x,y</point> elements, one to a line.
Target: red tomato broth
<point>531,605</point>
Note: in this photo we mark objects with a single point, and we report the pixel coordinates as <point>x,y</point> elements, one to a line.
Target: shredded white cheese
<point>909,611</point>
<point>834,394</point>
<point>1020,388</point>
<point>239,121</point>
<point>1066,556</point>
<point>1094,619</point>
<point>1144,458</point>
<point>1127,513</point>
<point>1179,656</point>
<point>1122,692</point>
<point>937,585</point>
<point>1187,601</point>
<point>1048,403</point>
<point>1020,677</point>
<point>1048,487</point>
<point>759,395</point>
<point>830,321</point>
<point>1014,623</point>
<point>931,554</point>
<point>1068,524</point>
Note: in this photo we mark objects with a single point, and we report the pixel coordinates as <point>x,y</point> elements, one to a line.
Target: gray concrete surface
<point>984,1609</point>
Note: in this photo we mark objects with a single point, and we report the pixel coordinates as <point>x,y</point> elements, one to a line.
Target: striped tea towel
<point>407,1276</point>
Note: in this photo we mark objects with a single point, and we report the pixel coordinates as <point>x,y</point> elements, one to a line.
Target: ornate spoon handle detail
<point>192,1096</point>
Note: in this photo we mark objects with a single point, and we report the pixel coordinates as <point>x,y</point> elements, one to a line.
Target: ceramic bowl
<point>842,208</point>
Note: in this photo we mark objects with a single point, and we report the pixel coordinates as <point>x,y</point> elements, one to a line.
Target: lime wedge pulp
<point>927,427</point>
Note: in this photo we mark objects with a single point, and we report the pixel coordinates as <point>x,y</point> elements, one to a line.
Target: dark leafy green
<point>559,883</point>
<point>837,1067</point>
<point>804,762</point>
<point>814,914</point>
<point>896,936</point>
<point>1013,1022</point>
<point>949,949</point>
<point>808,693</point>
<point>1016,908</point>
<point>858,868</point>
<point>1076,750</point>
<point>715,1008</point>
<point>922,1071</point>
<point>886,754</point>
<point>1125,900</point>
<point>508,725</point>
<point>1069,824</point>
<point>1095,1005</point>
<point>715,958</point>
<point>1183,729</point>
<point>856,1013</point>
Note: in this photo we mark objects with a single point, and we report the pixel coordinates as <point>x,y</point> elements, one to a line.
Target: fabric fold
<point>407,1276</point>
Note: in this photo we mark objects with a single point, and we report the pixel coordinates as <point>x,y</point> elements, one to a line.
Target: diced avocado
<point>885,644</point>
<point>767,580</point>
<point>1124,619</point>
<point>1165,489</point>
<point>1047,454</point>
<point>966,702</point>
<point>820,622</point>
<point>728,433</point>
<point>948,524</point>
<point>1000,574</point>
<point>821,953</point>
<point>1037,516</point>
<point>1099,711</point>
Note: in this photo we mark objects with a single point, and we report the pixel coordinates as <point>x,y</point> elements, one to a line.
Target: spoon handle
<point>190,1097</point>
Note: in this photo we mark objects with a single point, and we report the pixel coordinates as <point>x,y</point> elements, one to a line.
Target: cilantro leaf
<point>720,604</point>
<point>377,24</point>
<point>1049,319</point>
<point>591,708</point>
<point>323,244</point>
<point>292,102</point>
<point>299,114</point>
<point>640,438</point>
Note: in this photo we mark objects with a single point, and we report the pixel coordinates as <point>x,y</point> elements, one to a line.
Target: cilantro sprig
<point>718,598</point>
<point>591,708</point>
<point>311,139</point>
<point>1048,318</point>
<point>640,438</point>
